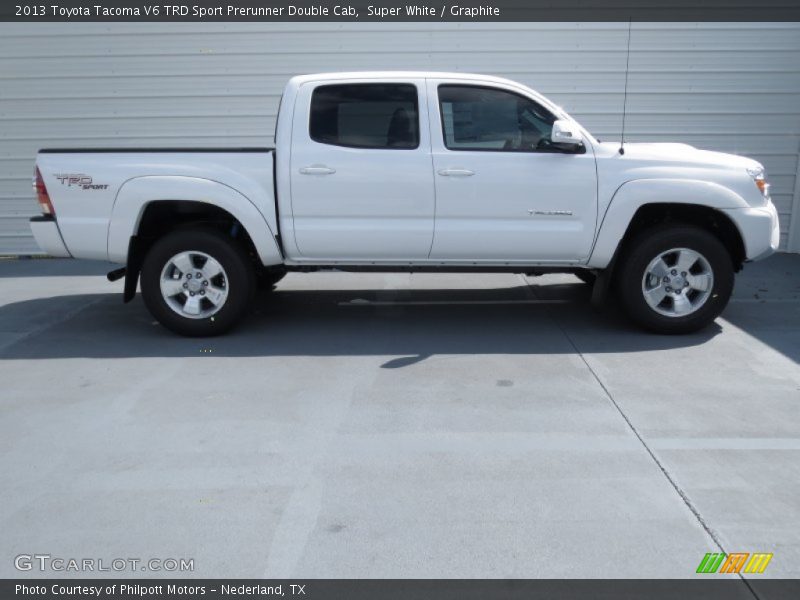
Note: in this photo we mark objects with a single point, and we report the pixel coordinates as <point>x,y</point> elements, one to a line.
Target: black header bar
<point>398,11</point>
<point>705,587</point>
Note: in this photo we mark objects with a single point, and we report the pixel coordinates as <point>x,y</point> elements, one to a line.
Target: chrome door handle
<point>456,172</point>
<point>317,170</point>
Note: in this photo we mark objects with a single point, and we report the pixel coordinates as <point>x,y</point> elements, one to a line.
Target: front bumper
<point>45,230</point>
<point>760,229</point>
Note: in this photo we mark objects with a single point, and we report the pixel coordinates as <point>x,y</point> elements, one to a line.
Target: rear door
<point>503,192</point>
<point>361,180</point>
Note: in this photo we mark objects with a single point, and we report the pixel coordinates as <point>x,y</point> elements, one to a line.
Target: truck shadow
<point>405,326</point>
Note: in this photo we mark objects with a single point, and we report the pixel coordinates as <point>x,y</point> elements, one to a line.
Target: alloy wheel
<point>194,285</point>
<point>677,282</point>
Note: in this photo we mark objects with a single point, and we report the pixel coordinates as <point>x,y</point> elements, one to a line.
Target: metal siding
<point>733,87</point>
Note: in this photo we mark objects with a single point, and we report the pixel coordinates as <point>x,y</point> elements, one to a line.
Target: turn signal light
<point>760,179</point>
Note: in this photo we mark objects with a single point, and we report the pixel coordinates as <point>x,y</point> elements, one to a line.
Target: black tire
<point>586,276</point>
<point>239,281</point>
<point>649,244</point>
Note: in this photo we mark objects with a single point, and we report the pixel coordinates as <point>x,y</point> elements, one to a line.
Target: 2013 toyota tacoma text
<point>414,172</point>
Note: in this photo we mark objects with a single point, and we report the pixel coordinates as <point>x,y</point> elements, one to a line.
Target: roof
<point>300,79</point>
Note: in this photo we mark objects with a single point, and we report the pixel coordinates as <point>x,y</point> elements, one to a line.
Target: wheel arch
<point>147,207</point>
<point>645,203</point>
<point>137,196</point>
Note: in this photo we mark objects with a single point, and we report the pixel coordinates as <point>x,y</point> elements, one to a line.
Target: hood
<point>683,154</point>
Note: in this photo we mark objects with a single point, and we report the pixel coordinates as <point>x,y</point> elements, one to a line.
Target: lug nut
<point>666,279</point>
<point>199,275</point>
<point>674,272</point>
<point>185,286</point>
<point>202,292</point>
<point>669,289</point>
<point>188,276</point>
<point>191,293</point>
<point>685,284</point>
<point>205,282</point>
<point>683,273</point>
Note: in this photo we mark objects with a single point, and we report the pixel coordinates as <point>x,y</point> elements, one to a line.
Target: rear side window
<point>366,115</point>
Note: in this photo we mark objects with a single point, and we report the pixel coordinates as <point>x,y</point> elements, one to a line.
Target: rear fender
<point>135,194</point>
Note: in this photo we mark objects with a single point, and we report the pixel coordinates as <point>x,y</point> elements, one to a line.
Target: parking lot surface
<point>395,425</point>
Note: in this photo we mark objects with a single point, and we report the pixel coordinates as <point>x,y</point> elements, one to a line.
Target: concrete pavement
<point>399,426</point>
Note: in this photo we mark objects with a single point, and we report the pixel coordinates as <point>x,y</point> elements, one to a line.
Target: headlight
<point>760,178</point>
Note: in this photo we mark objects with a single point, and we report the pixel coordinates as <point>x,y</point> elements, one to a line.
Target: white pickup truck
<point>406,171</point>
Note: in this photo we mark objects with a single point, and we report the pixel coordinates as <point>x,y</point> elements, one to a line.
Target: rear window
<point>366,115</point>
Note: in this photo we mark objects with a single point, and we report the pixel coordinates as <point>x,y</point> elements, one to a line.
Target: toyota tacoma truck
<point>407,171</point>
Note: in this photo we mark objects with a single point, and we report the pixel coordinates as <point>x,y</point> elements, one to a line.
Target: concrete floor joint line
<point>684,497</point>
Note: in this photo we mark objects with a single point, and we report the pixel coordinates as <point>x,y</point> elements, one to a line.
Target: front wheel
<point>675,279</point>
<point>197,282</point>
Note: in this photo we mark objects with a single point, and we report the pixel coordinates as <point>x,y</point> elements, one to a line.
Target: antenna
<point>625,98</point>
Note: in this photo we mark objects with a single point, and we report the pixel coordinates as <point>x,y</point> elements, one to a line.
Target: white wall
<point>733,87</point>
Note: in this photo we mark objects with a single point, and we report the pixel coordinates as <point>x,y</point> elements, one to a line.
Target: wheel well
<point>163,216</point>
<point>710,219</point>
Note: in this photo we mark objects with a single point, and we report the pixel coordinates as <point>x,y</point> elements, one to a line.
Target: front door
<point>361,180</point>
<point>503,191</point>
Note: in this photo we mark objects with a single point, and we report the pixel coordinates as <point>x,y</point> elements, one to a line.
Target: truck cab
<point>431,169</point>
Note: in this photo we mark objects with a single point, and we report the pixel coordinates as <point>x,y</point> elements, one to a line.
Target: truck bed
<point>151,150</point>
<point>98,194</point>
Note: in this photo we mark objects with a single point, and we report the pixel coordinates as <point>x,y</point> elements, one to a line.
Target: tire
<point>586,276</point>
<point>207,251</point>
<point>652,265</point>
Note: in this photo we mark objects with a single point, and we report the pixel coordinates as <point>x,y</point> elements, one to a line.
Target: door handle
<point>317,170</point>
<point>456,172</point>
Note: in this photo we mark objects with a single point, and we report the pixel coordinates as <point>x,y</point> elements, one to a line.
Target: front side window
<point>490,119</point>
<point>366,115</point>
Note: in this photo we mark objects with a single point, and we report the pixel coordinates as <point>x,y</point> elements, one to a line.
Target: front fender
<point>135,194</point>
<point>632,195</point>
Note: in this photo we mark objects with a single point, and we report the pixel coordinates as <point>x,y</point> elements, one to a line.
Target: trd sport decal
<point>80,180</point>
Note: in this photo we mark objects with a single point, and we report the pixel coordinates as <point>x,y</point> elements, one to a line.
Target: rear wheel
<point>675,279</point>
<point>197,282</point>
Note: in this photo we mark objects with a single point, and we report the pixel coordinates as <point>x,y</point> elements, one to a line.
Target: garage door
<point>733,87</point>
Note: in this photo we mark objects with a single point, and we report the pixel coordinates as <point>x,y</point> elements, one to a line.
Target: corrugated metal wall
<point>732,87</point>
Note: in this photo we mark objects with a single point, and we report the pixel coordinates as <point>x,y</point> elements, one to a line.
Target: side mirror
<point>565,135</point>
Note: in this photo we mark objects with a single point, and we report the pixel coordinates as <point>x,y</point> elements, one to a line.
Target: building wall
<point>733,87</point>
